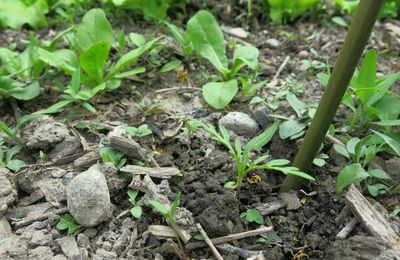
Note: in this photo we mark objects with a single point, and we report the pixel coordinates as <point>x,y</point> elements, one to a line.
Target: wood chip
<point>347,229</point>
<point>161,173</point>
<point>270,207</point>
<point>167,232</point>
<point>128,147</point>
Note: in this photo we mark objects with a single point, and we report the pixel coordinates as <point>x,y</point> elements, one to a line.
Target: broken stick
<point>208,241</point>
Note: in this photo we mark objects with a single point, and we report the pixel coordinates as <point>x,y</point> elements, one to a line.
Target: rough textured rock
<point>115,182</point>
<point>39,238</point>
<point>291,200</point>
<point>15,248</point>
<point>102,254</point>
<point>88,198</point>
<point>49,135</point>
<point>5,228</point>
<point>8,191</point>
<point>69,247</point>
<point>240,123</point>
<point>59,257</point>
<point>272,42</point>
<point>392,167</point>
<point>41,252</point>
<point>261,114</point>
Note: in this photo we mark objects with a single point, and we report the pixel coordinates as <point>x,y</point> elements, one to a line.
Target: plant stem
<point>354,44</point>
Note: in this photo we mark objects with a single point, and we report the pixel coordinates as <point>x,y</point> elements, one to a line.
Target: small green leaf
<point>290,128</point>
<point>379,174</point>
<point>132,194</point>
<point>170,66</point>
<point>391,142</point>
<point>159,207</point>
<point>220,94</point>
<point>341,150</point>
<point>350,174</point>
<point>136,212</point>
<point>230,185</point>
<point>340,21</point>
<point>15,165</point>
<point>253,215</point>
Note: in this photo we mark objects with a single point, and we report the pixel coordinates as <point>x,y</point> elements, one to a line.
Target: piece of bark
<point>246,254</point>
<point>372,220</point>
<point>347,229</point>
<point>28,221</point>
<point>69,247</point>
<point>23,211</point>
<point>372,248</point>
<point>128,147</point>
<point>344,213</point>
<point>166,232</point>
<point>161,173</point>
<point>270,207</point>
<point>87,159</point>
<point>224,239</point>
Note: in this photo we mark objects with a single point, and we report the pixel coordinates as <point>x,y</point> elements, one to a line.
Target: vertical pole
<point>349,56</point>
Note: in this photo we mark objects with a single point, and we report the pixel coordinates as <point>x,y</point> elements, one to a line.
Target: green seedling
<point>287,10</point>
<point>136,210</point>
<point>268,238</point>
<point>253,215</point>
<point>172,65</point>
<point>16,13</point>
<point>73,93</point>
<point>67,222</point>
<point>150,9</point>
<point>390,7</point>
<point>369,97</point>
<point>42,156</point>
<point>169,215</point>
<point>243,162</point>
<point>204,36</point>
<point>108,154</point>
<point>8,162</point>
<point>360,152</point>
<point>93,39</point>
<point>140,131</point>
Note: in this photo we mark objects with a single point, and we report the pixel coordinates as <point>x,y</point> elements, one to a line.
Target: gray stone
<point>102,254</point>
<point>122,241</point>
<point>14,248</point>
<point>107,245</point>
<point>261,115</point>
<point>272,42</point>
<point>83,241</point>
<point>69,247</point>
<point>53,189</point>
<point>58,173</point>
<point>41,252</point>
<point>240,123</point>
<point>303,54</point>
<point>59,257</point>
<point>8,191</point>
<point>39,238</point>
<point>90,232</point>
<point>115,182</point>
<point>291,200</point>
<point>88,198</point>
<point>5,228</point>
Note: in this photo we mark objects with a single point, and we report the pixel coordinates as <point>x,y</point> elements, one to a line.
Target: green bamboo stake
<point>349,56</point>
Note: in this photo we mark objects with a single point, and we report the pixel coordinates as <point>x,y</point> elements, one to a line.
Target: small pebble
<point>107,246</point>
<point>272,42</point>
<point>303,54</point>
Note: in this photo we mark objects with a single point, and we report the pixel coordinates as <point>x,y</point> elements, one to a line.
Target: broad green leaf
<point>245,55</point>
<point>10,60</point>
<point>136,212</point>
<point>290,128</point>
<point>208,39</point>
<point>379,174</point>
<point>340,21</point>
<point>170,66</point>
<point>351,145</point>
<point>25,119</point>
<point>341,150</point>
<point>89,107</point>
<point>93,29</point>
<point>136,39</point>
<point>319,162</point>
<point>63,59</point>
<point>367,76</point>
<point>378,189</point>
<point>93,60</point>
<point>16,13</point>
<point>296,104</point>
<point>253,215</point>
<point>388,122</point>
<point>159,207</point>
<point>25,92</point>
<point>220,94</point>
<point>15,165</point>
<point>350,174</point>
<point>381,89</point>
<point>130,73</point>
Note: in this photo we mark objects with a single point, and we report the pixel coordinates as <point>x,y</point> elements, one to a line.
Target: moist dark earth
<point>305,227</point>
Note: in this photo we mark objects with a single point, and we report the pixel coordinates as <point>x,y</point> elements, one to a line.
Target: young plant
<point>73,93</point>
<point>136,210</point>
<point>8,161</point>
<point>369,97</point>
<point>67,222</point>
<point>108,154</point>
<point>204,35</point>
<point>360,153</point>
<point>253,215</point>
<point>12,132</point>
<point>243,162</point>
<point>140,131</point>
<point>169,215</point>
<point>93,39</point>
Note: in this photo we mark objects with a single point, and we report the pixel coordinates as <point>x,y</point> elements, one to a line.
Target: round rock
<point>88,198</point>
<point>240,123</point>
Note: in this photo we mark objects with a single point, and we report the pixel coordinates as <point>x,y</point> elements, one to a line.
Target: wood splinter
<point>209,242</point>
